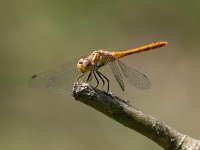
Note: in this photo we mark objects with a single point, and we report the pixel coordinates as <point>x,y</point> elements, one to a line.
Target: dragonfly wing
<point>134,77</point>
<point>117,74</point>
<point>55,79</point>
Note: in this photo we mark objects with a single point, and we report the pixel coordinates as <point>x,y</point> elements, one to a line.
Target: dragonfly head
<point>84,65</point>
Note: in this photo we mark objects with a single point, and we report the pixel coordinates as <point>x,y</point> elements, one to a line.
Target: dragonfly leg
<point>80,76</point>
<point>102,76</point>
<point>99,75</point>
<point>89,77</point>
<point>96,79</point>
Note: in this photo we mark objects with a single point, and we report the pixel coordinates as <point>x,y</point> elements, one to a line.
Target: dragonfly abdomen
<point>139,49</point>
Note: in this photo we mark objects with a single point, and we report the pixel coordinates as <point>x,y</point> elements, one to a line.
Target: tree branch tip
<point>81,88</point>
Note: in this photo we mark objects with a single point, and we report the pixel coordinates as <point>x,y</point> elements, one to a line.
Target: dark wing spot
<point>34,76</point>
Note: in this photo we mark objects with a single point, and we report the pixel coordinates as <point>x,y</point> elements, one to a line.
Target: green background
<point>36,35</point>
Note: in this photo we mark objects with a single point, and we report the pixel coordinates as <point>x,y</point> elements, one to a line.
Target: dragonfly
<point>89,66</point>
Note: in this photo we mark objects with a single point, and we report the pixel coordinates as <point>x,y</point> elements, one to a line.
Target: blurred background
<point>37,35</point>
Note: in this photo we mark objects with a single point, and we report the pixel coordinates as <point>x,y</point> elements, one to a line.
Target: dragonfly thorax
<point>100,58</point>
<point>94,61</point>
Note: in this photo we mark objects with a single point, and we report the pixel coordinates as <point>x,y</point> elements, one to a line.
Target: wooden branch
<point>121,111</point>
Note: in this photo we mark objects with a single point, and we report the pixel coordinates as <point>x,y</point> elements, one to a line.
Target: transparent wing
<point>117,74</point>
<point>134,77</point>
<point>56,79</point>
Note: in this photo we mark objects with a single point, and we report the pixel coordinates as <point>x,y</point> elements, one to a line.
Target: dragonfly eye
<point>83,65</point>
<point>86,62</point>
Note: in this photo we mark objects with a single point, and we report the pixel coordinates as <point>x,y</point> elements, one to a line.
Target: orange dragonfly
<point>58,78</point>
